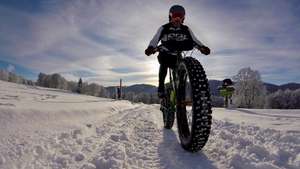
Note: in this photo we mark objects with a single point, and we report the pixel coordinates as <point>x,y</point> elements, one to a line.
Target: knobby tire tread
<point>201,106</point>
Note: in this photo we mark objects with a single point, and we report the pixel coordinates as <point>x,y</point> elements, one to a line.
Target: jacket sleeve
<point>198,42</point>
<point>156,37</point>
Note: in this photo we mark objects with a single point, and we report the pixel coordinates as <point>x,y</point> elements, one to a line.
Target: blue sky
<point>104,40</point>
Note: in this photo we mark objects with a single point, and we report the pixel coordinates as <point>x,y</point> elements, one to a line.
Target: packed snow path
<point>45,128</point>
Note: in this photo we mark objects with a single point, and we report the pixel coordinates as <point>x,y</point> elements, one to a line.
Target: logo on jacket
<point>174,36</point>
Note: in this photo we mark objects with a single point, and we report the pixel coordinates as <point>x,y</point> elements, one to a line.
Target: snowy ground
<point>46,128</point>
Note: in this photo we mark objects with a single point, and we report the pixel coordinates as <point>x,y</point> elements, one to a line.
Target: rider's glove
<point>149,50</point>
<point>205,50</point>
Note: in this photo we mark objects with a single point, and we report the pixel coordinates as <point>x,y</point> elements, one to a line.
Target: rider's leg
<point>163,70</point>
<point>166,61</point>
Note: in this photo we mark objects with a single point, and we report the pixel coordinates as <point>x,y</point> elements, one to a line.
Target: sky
<point>104,40</point>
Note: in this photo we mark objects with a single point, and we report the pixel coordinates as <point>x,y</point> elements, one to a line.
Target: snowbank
<point>47,128</point>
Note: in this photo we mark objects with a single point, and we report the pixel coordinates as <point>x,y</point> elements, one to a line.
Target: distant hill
<point>273,88</point>
<point>150,89</point>
<point>213,84</point>
<point>141,88</point>
<point>137,88</point>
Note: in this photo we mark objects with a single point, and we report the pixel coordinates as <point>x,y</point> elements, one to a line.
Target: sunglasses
<point>177,14</point>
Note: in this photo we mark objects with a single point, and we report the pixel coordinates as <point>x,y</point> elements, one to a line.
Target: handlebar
<point>161,48</point>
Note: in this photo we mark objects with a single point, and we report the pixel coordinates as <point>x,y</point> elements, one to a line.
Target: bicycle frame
<point>174,81</point>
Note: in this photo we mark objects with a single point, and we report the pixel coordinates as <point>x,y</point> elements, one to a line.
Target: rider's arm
<point>197,41</point>
<point>203,49</point>
<point>156,37</point>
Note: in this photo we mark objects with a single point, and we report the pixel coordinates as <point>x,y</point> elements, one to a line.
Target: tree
<point>296,97</point>
<point>57,81</point>
<point>12,77</point>
<point>4,75</point>
<point>217,101</point>
<point>249,89</point>
<point>42,80</point>
<point>286,99</point>
<point>52,81</point>
<point>72,86</point>
<point>93,89</point>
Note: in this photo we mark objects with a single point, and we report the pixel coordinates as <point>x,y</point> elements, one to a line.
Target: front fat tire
<point>194,139</point>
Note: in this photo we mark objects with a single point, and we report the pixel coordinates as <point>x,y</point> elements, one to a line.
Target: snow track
<point>133,143</point>
<point>127,139</point>
<point>72,131</point>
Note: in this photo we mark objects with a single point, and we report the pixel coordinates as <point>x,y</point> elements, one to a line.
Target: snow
<point>283,120</point>
<point>43,128</point>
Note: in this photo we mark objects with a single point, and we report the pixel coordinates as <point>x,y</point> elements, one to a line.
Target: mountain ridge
<point>213,84</point>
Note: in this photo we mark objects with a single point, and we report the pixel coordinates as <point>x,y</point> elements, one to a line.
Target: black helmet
<point>178,9</point>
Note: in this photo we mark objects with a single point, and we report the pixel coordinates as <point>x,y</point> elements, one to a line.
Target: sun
<point>152,68</point>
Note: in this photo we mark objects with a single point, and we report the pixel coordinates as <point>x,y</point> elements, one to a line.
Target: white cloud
<point>10,68</point>
<point>99,36</point>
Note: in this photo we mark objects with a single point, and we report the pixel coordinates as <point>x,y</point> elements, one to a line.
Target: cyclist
<point>174,36</point>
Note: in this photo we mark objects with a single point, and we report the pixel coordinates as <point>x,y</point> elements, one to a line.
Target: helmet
<point>176,10</point>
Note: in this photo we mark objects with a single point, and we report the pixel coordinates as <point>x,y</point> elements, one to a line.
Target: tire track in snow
<point>127,139</point>
<point>64,149</point>
<point>131,141</point>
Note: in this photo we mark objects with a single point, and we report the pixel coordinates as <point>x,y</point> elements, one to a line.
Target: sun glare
<point>152,67</point>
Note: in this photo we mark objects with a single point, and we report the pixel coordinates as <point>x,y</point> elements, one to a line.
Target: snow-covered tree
<point>154,98</point>
<point>249,89</point>
<point>286,99</point>
<point>90,89</point>
<point>57,81</point>
<point>103,92</point>
<point>129,96</point>
<point>4,75</point>
<point>217,101</point>
<point>296,98</point>
<point>72,86</point>
<point>12,77</point>
<point>142,97</point>
<point>93,89</point>
<point>42,80</point>
<point>52,81</point>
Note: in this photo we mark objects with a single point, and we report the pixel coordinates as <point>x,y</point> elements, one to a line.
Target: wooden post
<point>121,92</point>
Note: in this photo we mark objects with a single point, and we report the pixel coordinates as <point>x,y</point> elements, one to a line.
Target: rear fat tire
<point>194,139</point>
<point>167,110</point>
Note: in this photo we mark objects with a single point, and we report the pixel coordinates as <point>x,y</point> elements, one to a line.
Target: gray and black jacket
<point>175,38</point>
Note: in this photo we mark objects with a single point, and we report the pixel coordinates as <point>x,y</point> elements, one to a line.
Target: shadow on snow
<point>172,155</point>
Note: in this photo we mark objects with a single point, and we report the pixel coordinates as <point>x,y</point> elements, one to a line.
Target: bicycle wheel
<point>193,105</point>
<point>168,109</point>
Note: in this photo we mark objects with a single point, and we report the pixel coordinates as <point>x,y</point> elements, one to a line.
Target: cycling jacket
<point>175,38</point>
